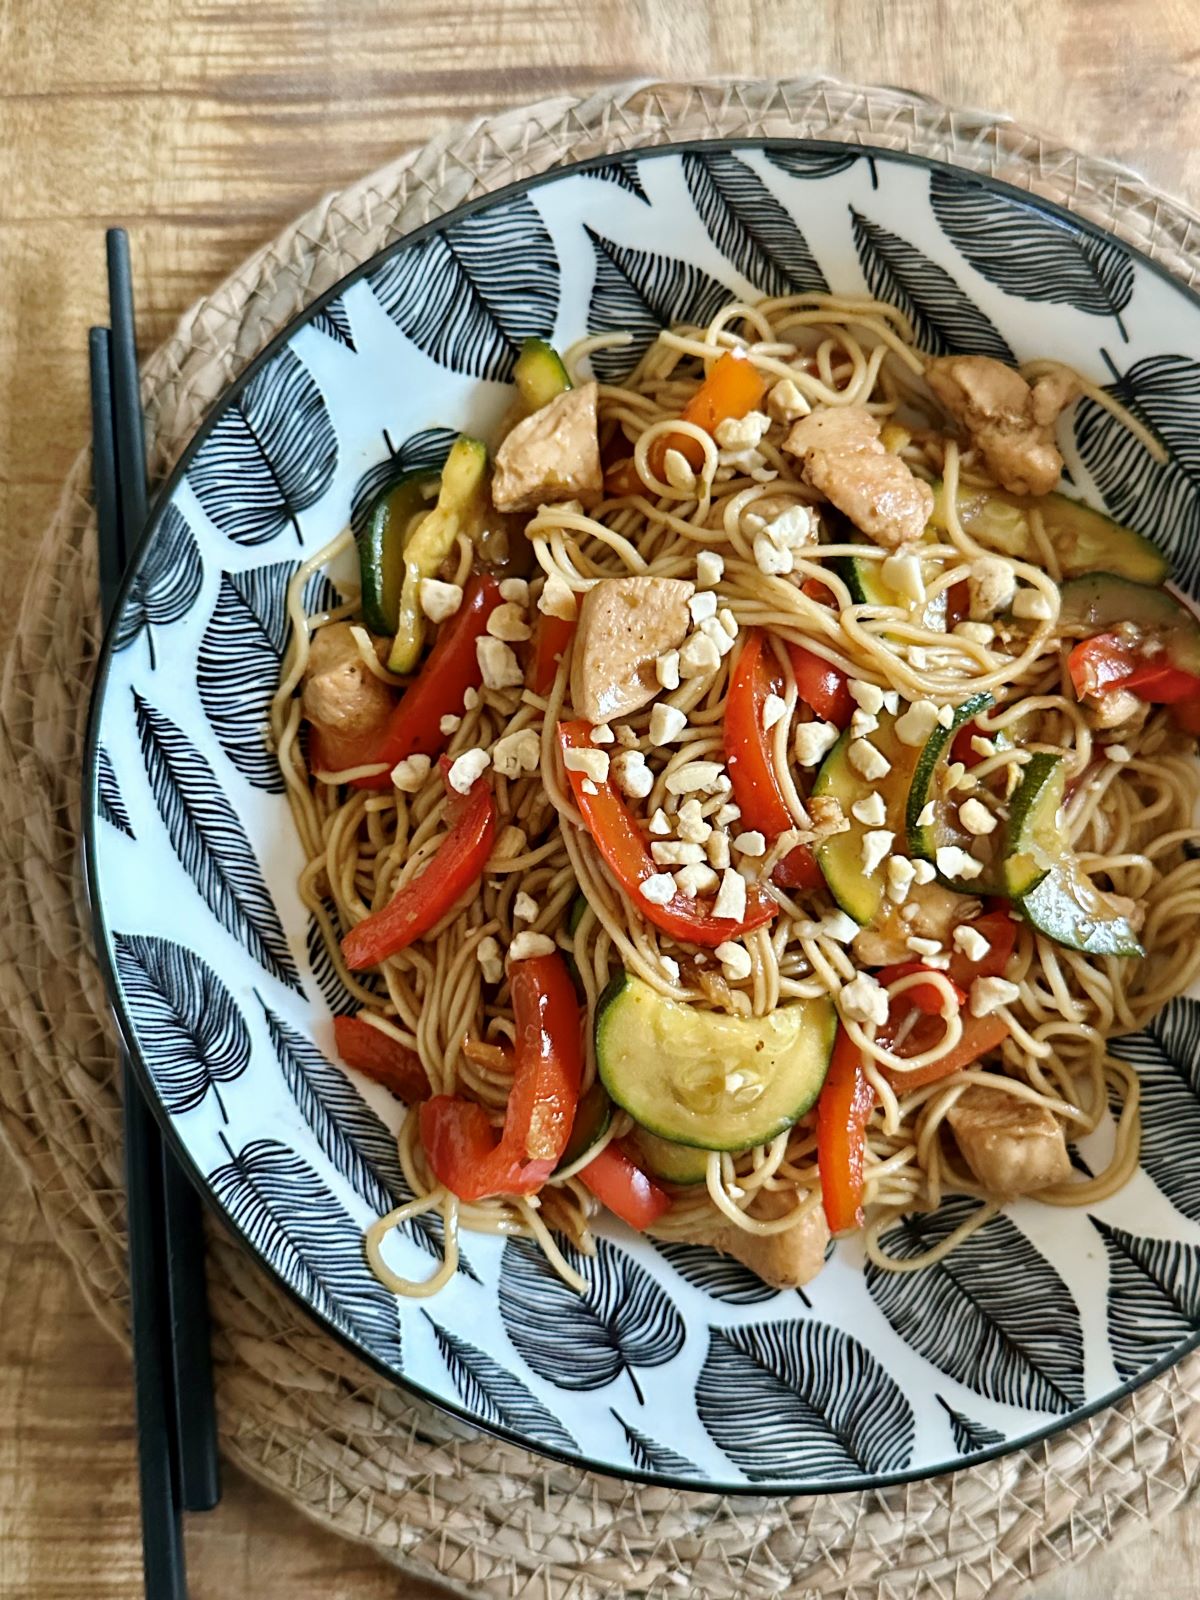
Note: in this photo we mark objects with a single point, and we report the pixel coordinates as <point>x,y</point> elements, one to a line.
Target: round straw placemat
<point>296,1412</point>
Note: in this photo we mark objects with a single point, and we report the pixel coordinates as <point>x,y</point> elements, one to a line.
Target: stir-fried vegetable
<point>623,848</point>
<point>460,509</point>
<point>621,1185</point>
<point>381,1058</point>
<point>450,669</point>
<point>551,640</point>
<point>823,687</point>
<point>460,1143</point>
<point>846,1103</point>
<point>422,902</point>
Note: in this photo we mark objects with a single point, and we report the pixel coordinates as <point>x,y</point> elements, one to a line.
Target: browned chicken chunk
<point>624,625</point>
<point>845,460</point>
<point>552,455</point>
<point>786,1260</point>
<point>1009,423</point>
<point>342,696</point>
<point>1012,1147</point>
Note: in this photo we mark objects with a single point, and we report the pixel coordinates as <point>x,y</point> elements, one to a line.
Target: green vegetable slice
<point>1100,601</point>
<point>540,374</point>
<point>1043,875</point>
<point>381,546</point>
<point>707,1079</point>
<point>1084,540</point>
<point>460,508</point>
<point>925,839</point>
<point>593,1118</point>
<point>673,1163</point>
<point>840,857</point>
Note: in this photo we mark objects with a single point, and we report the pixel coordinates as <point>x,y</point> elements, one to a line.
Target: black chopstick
<point>186,1335</point>
<point>162,1530</point>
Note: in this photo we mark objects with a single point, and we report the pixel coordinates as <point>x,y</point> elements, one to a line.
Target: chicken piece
<point>930,912</point>
<point>552,455</point>
<point>342,696</point>
<point>1012,1147</point>
<point>625,624</point>
<point>845,460</point>
<point>1010,423</point>
<point>786,1260</point>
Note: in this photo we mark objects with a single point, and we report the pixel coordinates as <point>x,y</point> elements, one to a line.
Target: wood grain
<point>203,126</point>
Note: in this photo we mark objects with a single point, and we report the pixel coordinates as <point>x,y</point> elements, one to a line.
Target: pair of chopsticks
<point>176,1418</point>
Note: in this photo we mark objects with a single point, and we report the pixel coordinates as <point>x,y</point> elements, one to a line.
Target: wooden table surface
<point>203,126</point>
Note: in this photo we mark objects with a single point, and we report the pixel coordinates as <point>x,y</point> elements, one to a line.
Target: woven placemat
<point>296,1412</point>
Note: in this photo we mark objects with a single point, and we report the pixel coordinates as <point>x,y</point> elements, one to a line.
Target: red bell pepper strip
<point>381,1058</point>
<point>926,997</point>
<point>979,1035</point>
<point>552,638</point>
<point>423,901</point>
<point>624,1188</point>
<point>460,1144</point>
<point>822,686</point>
<point>623,848</point>
<point>846,1102</point>
<point>450,669</point>
<point>1000,931</point>
<point>1107,661</point>
<point>1187,714</point>
<point>622,478</point>
<point>732,388</point>
<point>958,604</point>
<point>748,760</point>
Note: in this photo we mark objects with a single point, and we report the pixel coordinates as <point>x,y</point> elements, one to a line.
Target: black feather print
<point>166,584</point>
<point>496,1396</point>
<point>640,292</point>
<point>717,1275</point>
<point>237,666</point>
<point>1033,255</point>
<point>298,1226</point>
<point>810,164</point>
<point>108,795</point>
<point>1167,1057</point>
<point>191,1034</point>
<point>1153,1297</point>
<point>1159,499</point>
<point>749,226</point>
<point>969,1437</point>
<point>624,1321</point>
<point>993,1314</point>
<point>802,1399</point>
<point>271,455</point>
<point>333,320</point>
<point>211,843</point>
<point>650,1456</point>
<point>469,295</point>
<point>945,320</point>
<point>624,173</point>
<point>420,452</point>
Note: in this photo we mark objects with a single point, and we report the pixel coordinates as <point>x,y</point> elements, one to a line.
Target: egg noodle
<point>1130,819</point>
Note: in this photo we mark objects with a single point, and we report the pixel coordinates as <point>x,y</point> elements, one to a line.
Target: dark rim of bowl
<point>577,1459</point>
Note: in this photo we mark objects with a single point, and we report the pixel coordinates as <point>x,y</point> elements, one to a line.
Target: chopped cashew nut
<point>735,961</point>
<point>449,723</point>
<point>468,769</point>
<point>557,599</point>
<point>864,1000</point>
<point>498,664</point>
<point>516,753</point>
<point>631,774</point>
<point>923,872</point>
<point>990,586</point>
<point>697,656</point>
<point>678,471</point>
<point>524,907</point>
<point>717,846</point>
<point>1031,605</point>
<point>970,941</point>
<point>872,810</point>
<point>491,963</point>
<point>868,695</point>
<point>955,863</point>
<point>666,723</point>
<point>774,710</point>
<point>676,853</point>
<point>703,605</point>
<point>515,589</point>
<point>507,622</point>
<point>785,402</point>
<point>750,843</point>
<point>693,775</point>
<point>812,741</point>
<point>439,600</point>
<point>658,888</point>
<point>526,944</point>
<point>660,823</point>
<point>666,670</point>
<point>875,846</point>
<point>593,763</point>
<point>900,874</point>
<point>710,569</point>
<point>867,761</point>
<point>410,774</point>
<point>989,994</point>
<point>731,897</point>
<point>975,817</point>
<point>902,572</point>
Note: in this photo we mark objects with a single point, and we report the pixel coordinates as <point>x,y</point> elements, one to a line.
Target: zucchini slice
<point>840,857</point>
<point>1084,540</point>
<point>1101,600</point>
<point>673,1163</point>
<point>593,1118</point>
<point>381,547</point>
<point>540,374</point>
<point>864,579</point>
<point>706,1079</point>
<point>461,507</point>
<point>1043,875</point>
<point>925,839</point>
